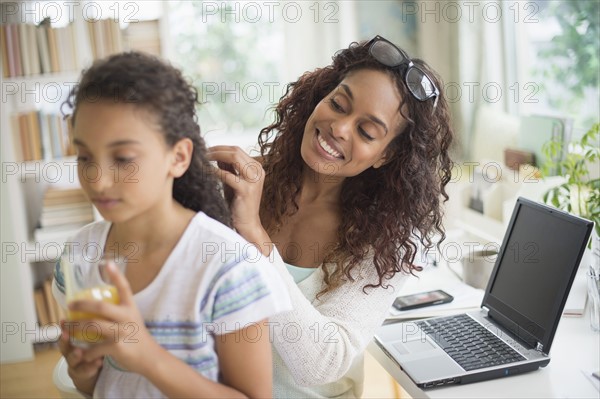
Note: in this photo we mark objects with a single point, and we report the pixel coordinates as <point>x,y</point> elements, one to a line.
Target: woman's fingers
<point>237,162</point>
<point>244,176</point>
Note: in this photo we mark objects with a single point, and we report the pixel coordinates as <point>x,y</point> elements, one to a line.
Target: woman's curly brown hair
<point>387,210</point>
<point>161,90</point>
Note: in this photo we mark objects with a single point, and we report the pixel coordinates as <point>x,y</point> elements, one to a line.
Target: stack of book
<point>39,135</point>
<point>64,211</point>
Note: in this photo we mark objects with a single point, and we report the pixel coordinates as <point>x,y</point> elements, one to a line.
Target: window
<point>233,54</point>
<point>561,56</point>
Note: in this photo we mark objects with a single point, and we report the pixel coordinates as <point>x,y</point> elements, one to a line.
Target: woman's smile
<point>331,149</point>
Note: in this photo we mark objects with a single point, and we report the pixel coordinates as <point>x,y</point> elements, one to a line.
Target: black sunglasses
<point>419,84</point>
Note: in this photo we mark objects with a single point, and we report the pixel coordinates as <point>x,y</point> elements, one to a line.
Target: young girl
<point>194,297</point>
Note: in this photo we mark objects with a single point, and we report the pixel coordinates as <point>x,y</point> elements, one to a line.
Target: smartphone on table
<point>422,299</point>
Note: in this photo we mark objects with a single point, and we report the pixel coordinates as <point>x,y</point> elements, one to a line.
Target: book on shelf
<point>53,50</point>
<point>43,47</point>
<point>144,36</point>
<point>62,196</point>
<point>47,309</point>
<point>40,307</point>
<point>57,234</point>
<point>4,50</point>
<point>23,43</point>
<point>51,304</point>
<point>13,51</point>
<point>67,57</point>
<point>105,37</point>
<point>67,216</point>
<point>34,131</point>
<point>69,208</point>
<point>41,136</point>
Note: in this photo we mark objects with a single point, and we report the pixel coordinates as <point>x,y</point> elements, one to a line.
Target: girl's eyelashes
<point>82,157</point>
<point>124,160</point>
<point>116,160</point>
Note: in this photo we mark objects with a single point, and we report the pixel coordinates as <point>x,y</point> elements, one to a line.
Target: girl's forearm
<point>176,379</point>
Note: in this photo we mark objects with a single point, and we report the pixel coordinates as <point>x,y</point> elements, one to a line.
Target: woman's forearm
<point>257,236</point>
<point>320,339</point>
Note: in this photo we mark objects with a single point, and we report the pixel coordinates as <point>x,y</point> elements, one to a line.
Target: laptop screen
<point>537,264</point>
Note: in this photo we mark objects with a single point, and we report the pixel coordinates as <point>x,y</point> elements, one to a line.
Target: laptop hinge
<point>539,347</point>
<point>486,311</point>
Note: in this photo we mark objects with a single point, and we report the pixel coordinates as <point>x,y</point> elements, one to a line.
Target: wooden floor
<point>33,379</point>
<point>378,383</point>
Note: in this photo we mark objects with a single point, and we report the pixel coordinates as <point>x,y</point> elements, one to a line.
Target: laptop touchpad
<point>414,346</point>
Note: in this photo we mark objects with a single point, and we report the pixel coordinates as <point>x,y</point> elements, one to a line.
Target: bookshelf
<point>35,92</point>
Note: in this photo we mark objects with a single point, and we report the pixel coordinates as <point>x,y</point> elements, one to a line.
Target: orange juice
<point>106,293</point>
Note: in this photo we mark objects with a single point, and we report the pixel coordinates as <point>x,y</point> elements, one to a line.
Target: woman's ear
<point>382,161</point>
<point>182,156</point>
<point>386,157</point>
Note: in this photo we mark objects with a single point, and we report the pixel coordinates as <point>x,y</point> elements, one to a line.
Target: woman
<point>340,198</point>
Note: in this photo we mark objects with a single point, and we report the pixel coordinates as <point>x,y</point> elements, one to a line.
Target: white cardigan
<point>319,345</point>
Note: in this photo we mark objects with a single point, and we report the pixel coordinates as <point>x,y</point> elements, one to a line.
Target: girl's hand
<point>243,178</point>
<point>84,373</point>
<point>125,337</point>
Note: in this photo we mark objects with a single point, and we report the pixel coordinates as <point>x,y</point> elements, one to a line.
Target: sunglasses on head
<point>419,84</point>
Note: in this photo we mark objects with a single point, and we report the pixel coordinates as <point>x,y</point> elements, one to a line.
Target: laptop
<point>513,330</point>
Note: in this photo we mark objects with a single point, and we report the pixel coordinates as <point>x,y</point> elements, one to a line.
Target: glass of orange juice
<point>86,278</point>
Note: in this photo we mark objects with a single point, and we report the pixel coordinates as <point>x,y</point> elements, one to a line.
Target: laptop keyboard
<point>470,344</point>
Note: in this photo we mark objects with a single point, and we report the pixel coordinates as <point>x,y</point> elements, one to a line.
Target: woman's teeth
<point>327,148</point>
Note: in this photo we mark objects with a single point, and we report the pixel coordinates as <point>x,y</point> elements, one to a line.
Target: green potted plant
<point>580,193</point>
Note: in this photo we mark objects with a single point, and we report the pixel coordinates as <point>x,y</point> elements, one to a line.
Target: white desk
<point>575,348</point>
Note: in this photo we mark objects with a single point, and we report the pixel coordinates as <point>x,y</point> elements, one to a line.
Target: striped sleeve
<point>238,291</point>
<point>244,293</point>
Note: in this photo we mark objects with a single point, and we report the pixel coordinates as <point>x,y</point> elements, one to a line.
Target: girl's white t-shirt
<point>212,283</point>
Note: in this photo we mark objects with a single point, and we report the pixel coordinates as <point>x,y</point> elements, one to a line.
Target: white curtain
<point>323,29</point>
<point>468,43</point>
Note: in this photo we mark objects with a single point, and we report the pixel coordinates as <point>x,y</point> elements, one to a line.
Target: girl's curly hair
<point>162,91</point>
<point>386,211</point>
